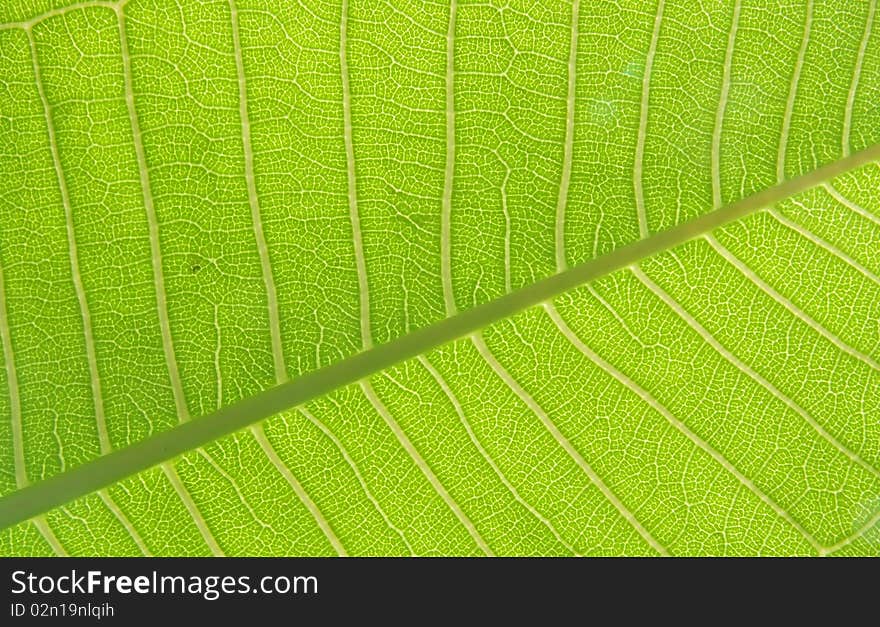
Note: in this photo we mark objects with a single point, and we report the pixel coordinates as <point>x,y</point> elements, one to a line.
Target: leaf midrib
<point>43,496</point>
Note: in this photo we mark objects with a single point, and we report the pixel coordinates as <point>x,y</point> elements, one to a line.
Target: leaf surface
<point>368,278</point>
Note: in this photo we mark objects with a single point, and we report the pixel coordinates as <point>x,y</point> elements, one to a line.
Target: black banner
<point>407,591</point>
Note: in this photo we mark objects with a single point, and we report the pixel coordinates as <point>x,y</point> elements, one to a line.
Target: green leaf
<point>367,278</point>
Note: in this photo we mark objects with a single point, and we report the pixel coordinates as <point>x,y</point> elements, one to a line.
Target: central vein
<point>40,497</point>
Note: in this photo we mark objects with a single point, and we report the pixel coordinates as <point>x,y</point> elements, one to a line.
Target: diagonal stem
<point>40,497</point>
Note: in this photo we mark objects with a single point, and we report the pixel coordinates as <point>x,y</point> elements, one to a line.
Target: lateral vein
<point>345,455</point>
<point>449,170</point>
<point>193,510</point>
<point>62,10</point>
<point>798,313</point>
<point>45,530</point>
<point>722,107</point>
<point>747,370</point>
<point>354,214</point>
<point>661,409</point>
<point>792,94</point>
<point>857,73</point>
<point>849,204</point>
<point>153,226</point>
<point>849,539</point>
<point>322,522</point>
<point>566,445</point>
<point>438,378</point>
<point>824,245</point>
<point>21,479</point>
<point>235,487</point>
<point>423,466</point>
<point>568,150</point>
<point>254,202</point>
<point>73,255</point>
<point>638,183</point>
<point>125,522</point>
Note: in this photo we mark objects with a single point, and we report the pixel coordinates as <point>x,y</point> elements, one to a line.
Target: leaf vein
<point>354,468</point>
<point>124,521</point>
<point>21,479</point>
<point>45,530</point>
<point>661,409</point>
<point>73,255</point>
<point>354,215</point>
<point>156,449</point>
<point>715,153</point>
<point>254,202</point>
<point>153,226</point>
<point>449,170</point>
<point>824,244</point>
<point>798,313</point>
<point>638,183</point>
<point>854,84</point>
<point>456,404</point>
<point>195,514</point>
<point>297,487</point>
<point>849,204</point>
<point>792,94</point>
<point>568,147</point>
<point>748,371</point>
<point>566,445</point>
<point>423,466</point>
